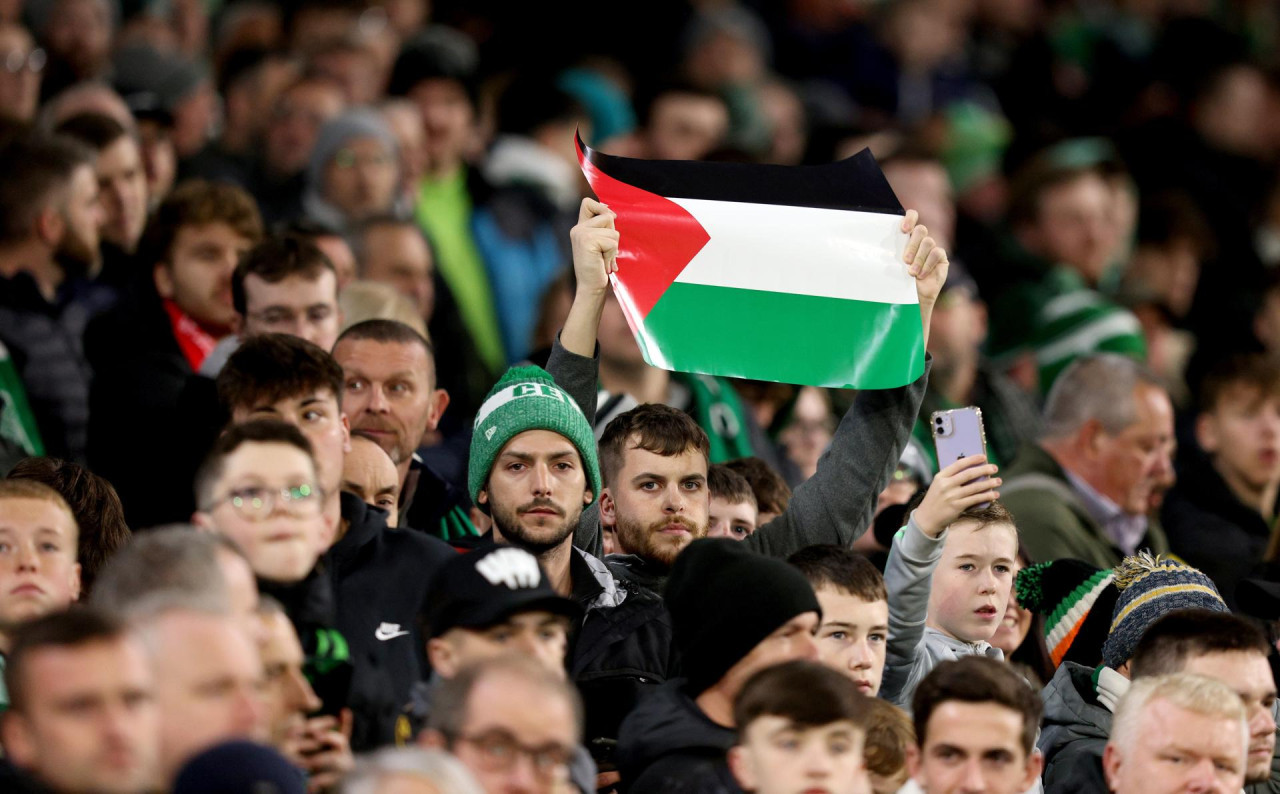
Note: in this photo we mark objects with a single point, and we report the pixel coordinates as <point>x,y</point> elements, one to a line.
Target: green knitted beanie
<point>527,398</point>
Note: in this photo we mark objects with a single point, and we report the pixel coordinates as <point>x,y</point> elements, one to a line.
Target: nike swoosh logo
<point>389,631</point>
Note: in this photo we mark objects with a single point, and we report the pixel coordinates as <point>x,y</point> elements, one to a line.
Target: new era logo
<point>488,434</point>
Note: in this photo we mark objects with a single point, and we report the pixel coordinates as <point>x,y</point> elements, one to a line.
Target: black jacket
<point>434,506</point>
<point>669,745</point>
<point>135,424</point>
<point>45,342</point>
<point>621,652</point>
<point>381,578</point>
<point>1211,529</point>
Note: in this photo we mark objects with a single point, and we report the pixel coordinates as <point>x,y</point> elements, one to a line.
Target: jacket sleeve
<point>907,576</point>
<point>577,375</point>
<point>837,504</point>
<point>1078,772</point>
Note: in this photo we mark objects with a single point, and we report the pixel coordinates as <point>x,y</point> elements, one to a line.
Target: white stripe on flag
<point>801,251</point>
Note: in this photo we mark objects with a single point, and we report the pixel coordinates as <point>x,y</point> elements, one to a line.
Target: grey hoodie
<point>915,649</point>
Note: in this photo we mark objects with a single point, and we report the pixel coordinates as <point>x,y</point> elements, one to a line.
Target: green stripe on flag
<point>801,339</point>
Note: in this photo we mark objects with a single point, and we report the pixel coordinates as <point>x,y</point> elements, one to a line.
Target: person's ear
<point>16,736</point>
<point>741,766</point>
<point>443,657</point>
<point>1207,433</point>
<point>439,402</point>
<point>163,278</point>
<point>608,508</point>
<point>203,521</point>
<point>432,739</point>
<point>1111,763</point>
<point>76,582</point>
<point>913,763</point>
<point>49,227</point>
<point>1092,438</point>
<point>346,435</point>
<point>1035,765</point>
<point>980,319</point>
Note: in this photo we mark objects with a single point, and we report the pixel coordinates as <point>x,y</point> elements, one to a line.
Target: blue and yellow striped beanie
<point>1150,588</point>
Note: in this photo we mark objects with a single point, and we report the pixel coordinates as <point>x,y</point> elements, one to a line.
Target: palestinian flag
<point>788,274</point>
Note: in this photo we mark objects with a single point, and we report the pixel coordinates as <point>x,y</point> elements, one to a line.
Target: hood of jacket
<point>668,722</point>
<point>1072,711</point>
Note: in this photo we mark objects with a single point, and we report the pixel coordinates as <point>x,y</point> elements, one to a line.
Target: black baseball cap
<point>484,587</point>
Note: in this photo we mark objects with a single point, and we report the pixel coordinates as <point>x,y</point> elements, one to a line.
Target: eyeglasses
<point>16,61</point>
<point>499,752</point>
<point>347,158</point>
<point>256,502</point>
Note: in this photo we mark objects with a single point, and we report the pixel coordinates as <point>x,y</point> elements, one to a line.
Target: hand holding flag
<point>791,274</point>
<point>927,263</point>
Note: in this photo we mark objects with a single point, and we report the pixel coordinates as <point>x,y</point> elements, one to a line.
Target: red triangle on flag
<point>657,237</point>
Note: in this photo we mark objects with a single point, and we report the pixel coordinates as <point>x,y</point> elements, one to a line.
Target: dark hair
<point>1250,370</point>
<point>1173,216</point>
<point>72,628</point>
<point>385,220</point>
<point>533,101</point>
<point>844,569</point>
<point>95,130</point>
<point>259,431</point>
<point>1183,634</point>
<point>889,734</point>
<point>977,679</point>
<point>93,502</point>
<point>389,331</point>
<point>276,258</point>
<point>270,367</point>
<point>772,492</point>
<point>659,429</point>
<point>649,96</point>
<point>725,483</point>
<point>807,693</point>
<point>196,203</point>
<point>1038,177</point>
<point>34,171</point>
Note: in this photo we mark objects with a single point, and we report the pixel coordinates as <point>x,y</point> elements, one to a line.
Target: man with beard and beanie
<point>735,613</point>
<point>654,459</point>
<point>534,469</point>
<point>48,246</point>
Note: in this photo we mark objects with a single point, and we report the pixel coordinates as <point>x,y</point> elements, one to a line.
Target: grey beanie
<point>338,131</point>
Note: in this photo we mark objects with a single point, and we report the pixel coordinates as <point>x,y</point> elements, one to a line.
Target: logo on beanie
<point>488,434</point>
<point>515,568</point>
<point>521,391</point>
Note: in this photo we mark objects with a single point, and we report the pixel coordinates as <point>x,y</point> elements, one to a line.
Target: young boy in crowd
<point>890,734</point>
<point>800,728</point>
<point>854,632</point>
<point>38,570</point>
<point>949,576</point>
<point>733,504</point>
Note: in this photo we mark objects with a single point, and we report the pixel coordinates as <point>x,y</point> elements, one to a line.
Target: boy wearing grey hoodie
<point>949,576</point>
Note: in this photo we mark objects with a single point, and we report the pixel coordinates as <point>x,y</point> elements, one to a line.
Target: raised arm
<point>837,504</point>
<point>573,361</point>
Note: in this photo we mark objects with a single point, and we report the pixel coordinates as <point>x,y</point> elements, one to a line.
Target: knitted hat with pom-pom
<point>1151,587</point>
<point>1076,600</point>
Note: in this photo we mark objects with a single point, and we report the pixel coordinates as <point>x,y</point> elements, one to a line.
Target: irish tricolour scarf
<point>788,274</point>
